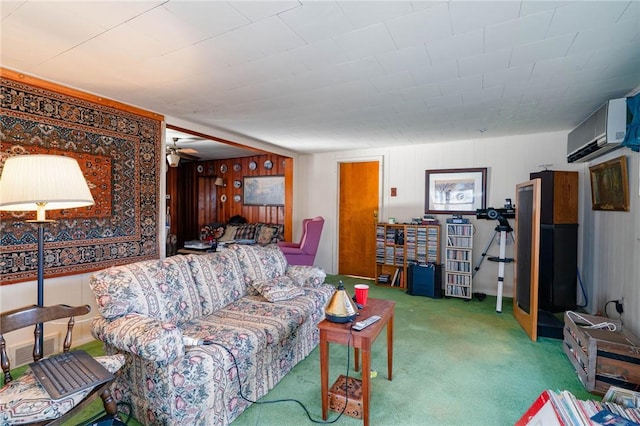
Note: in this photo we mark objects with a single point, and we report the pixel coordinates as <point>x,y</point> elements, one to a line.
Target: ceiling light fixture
<point>173,158</point>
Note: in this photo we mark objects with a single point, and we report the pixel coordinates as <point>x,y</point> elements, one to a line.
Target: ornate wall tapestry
<point>118,151</point>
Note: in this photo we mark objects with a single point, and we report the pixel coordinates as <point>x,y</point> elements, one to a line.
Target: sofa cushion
<point>265,234</point>
<point>246,232</point>
<point>229,233</point>
<point>146,337</point>
<point>260,262</point>
<point>160,289</point>
<point>249,324</point>
<point>218,278</point>
<point>279,235</point>
<point>277,289</point>
<point>306,276</point>
<point>182,295</point>
<point>218,232</point>
<point>213,230</point>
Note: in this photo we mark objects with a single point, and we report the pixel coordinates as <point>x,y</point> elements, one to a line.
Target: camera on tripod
<point>501,214</point>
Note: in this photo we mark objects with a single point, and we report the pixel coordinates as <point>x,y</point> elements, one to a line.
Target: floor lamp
<point>40,183</point>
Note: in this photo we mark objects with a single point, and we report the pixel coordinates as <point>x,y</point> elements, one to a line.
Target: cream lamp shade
<point>42,182</point>
<point>219,182</point>
<point>173,159</point>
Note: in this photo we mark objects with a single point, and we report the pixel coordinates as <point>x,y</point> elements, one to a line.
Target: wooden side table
<point>331,332</point>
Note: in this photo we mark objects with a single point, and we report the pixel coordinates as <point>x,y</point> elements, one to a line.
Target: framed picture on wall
<point>455,191</point>
<point>264,190</point>
<point>610,185</point>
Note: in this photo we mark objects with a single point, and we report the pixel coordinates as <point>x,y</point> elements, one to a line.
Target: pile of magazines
<point>618,407</point>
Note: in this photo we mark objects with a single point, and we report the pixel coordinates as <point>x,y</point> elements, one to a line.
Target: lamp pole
<point>40,329</point>
<point>40,221</point>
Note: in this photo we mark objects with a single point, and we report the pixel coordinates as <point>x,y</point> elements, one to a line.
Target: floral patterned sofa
<point>259,313</point>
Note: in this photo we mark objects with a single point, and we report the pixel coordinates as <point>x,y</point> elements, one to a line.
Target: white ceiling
<point>314,76</point>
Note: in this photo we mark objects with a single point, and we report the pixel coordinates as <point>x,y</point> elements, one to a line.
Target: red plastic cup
<point>362,292</point>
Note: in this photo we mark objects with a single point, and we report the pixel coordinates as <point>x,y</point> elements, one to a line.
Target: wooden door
<point>527,258</point>
<point>358,216</point>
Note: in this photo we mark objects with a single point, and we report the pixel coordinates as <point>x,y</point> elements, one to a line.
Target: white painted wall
<point>609,242</point>
<point>70,290</point>
<point>611,248</point>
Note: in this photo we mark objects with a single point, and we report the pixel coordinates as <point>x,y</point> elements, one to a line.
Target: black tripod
<point>503,228</point>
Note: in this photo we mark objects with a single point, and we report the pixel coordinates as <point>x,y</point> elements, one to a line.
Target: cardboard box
<point>338,396</point>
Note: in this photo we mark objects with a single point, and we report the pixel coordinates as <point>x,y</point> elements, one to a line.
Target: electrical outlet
<point>619,306</point>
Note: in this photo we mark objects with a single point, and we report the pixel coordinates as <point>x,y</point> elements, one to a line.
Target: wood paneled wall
<point>195,200</point>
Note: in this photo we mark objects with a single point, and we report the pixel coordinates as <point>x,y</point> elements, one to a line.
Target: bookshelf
<point>399,245</point>
<point>459,260</point>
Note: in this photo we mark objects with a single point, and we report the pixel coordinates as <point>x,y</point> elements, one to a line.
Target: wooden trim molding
<point>217,139</point>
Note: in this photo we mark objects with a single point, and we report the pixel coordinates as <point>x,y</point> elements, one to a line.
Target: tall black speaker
<point>558,267</point>
<point>557,280</point>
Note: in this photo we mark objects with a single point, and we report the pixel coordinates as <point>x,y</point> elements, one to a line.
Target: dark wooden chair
<point>9,405</point>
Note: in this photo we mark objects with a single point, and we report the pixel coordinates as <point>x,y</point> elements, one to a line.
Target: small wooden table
<point>331,332</point>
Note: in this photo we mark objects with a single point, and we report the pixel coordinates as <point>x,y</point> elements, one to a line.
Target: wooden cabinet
<point>398,246</point>
<point>459,261</point>
<point>558,196</point>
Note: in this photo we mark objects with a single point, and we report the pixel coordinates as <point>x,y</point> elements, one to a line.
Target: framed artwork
<point>455,191</point>
<point>610,185</point>
<point>264,190</point>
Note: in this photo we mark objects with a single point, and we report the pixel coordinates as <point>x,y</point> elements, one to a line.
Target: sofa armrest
<point>288,245</point>
<point>140,335</point>
<point>306,276</point>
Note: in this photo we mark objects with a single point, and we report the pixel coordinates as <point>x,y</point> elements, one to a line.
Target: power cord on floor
<point>235,363</point>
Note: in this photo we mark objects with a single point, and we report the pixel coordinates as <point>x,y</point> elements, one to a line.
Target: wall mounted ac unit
<point>601,132</point>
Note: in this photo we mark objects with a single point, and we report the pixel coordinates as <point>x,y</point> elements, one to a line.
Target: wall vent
<point>23,354</point>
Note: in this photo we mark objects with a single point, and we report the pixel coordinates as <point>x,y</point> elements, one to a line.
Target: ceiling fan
<point>174,154</point>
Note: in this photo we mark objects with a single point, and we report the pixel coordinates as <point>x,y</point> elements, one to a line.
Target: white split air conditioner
<point>601,132</point>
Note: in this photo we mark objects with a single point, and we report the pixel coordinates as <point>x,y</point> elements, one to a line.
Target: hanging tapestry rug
<point>118,152</point>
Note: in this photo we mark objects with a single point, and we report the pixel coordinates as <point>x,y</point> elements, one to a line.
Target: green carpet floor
<point>456,362</point>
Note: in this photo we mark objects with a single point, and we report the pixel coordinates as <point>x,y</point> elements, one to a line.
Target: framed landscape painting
<point>264,191</point>
<point>610,185</point>
<point>455,191</point>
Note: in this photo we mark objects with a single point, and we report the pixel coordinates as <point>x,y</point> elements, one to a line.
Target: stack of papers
<point>197,245</point>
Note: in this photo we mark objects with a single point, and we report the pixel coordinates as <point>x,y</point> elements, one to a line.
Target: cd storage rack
<point>459,259</point>
<point>400,245</point>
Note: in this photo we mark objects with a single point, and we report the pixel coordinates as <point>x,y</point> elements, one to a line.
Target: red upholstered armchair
<point>304,252</point>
